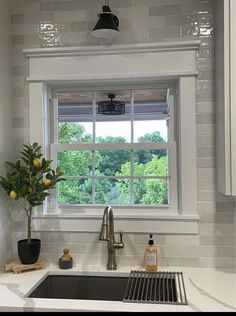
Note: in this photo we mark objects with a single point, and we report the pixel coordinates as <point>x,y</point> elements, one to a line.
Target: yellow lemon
<point>47,182</point>
<point>30,190</point>
<point>36,162</point>
<point>13,194</point>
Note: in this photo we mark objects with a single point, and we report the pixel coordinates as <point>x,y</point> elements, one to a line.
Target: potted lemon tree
<point>28,182</point>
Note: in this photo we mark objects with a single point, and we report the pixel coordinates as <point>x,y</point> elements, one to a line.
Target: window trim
<point>152,64</point>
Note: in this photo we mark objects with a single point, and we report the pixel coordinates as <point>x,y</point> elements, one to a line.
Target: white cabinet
<point>225,88</point>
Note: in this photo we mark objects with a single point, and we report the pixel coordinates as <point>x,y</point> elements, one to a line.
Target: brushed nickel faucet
<point>107,233</point>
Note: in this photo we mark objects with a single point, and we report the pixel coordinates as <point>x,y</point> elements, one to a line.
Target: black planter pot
<point>28,253</point>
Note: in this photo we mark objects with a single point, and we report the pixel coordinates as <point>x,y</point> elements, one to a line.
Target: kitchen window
<point>121,70</point>
<point>126,159</point>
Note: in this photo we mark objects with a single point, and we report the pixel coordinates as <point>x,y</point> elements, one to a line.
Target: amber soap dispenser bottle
<point>151,256</point>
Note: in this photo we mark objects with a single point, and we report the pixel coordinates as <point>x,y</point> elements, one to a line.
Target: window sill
<point>162,224</point>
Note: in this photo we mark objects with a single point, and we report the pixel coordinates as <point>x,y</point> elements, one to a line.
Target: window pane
<point>75,163</point>
<point>151,162</point>
<point>150,191</point>
<point>109,191</point>
<point>70,133</point>
<point>113,162</point>
<point>75,192</point>
<point>145,120</point>
<point>74,106</point>
<point>151,101</point>
<point>113,132</point>
<point>154,131</point>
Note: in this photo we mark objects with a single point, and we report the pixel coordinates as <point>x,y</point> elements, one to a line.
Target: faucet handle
<point>119,244</point>
<point>121,237</point>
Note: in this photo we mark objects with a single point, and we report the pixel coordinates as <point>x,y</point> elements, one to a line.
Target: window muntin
<point>120,159</point>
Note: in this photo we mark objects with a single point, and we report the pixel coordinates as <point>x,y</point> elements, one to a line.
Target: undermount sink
<point>138,286</point>
<point>84,287</point>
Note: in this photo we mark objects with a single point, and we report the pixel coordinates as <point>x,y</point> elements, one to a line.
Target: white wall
<point>5,127</point>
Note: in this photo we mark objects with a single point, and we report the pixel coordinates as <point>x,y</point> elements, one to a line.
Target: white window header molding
<point>116,61</point>
<point>111,49</point>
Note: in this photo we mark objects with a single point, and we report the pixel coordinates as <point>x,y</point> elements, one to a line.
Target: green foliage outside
<point>143,156</point>
<point>147,191</point>
<point>111,163</point>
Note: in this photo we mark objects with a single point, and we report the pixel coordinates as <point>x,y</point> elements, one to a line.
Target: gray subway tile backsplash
<point>48,23</point>
<point>17,18</point>
<point>172,9</point>
<point>17,40</point>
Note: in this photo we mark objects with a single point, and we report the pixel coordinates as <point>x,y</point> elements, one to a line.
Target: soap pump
<point>151,255</point>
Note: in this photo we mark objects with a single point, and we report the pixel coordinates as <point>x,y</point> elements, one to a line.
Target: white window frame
<point>138,63</point>
<point>170,145</point>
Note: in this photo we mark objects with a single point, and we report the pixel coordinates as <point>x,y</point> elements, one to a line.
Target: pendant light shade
<point>107,25</point>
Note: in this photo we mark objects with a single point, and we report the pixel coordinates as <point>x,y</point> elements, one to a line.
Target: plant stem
<point>29,211</point>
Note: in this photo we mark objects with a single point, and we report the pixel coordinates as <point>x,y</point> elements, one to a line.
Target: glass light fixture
<point>107,25</point>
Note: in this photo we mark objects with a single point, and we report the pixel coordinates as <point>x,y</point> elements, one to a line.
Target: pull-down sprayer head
<point>104,233</point>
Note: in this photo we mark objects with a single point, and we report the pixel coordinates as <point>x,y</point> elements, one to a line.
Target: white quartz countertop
<point>207,290</point>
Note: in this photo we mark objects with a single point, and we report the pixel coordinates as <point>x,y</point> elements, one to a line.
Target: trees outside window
<point>114,159</point>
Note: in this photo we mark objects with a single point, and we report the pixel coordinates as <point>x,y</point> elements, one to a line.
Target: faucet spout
<point>107,233</point>
<point>104,234</point>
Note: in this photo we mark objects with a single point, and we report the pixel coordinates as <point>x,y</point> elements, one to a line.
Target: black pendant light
<point>107,25</point>
<point>111,107</point>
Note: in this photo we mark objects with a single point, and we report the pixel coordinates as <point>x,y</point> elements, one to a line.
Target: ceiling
<point>77,106</point>
<point>79,97</point>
